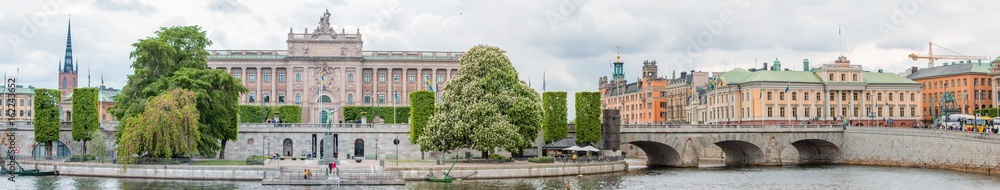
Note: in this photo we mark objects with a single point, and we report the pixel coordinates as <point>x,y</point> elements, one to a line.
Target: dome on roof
<point>997,59</point>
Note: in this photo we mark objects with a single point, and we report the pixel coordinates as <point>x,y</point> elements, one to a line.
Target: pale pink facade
<point>324,64</point>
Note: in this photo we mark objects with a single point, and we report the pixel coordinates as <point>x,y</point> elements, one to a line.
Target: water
<point>789,177</point>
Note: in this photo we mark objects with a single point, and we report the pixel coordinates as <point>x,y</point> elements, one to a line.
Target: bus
<point>982,123</point>
<point>955,121</point>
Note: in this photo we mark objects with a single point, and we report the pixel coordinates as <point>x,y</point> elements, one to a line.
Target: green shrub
<point>353,113</point>
<point>497,157</point>
<point>543,159</point>
<point>81,158</point>
<point>256,160</point>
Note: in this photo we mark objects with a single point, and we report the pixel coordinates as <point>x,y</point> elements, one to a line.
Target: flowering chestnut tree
<point>485,107</point>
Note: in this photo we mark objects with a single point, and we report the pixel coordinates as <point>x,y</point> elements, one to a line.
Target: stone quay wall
<point>514,171</point>
<point>230,173</point>
<point>925,148</point>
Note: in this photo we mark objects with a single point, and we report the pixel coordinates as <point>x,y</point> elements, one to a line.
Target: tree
<point>588,117</point>
<point>218,95</point>
<point>85,115</point>
<point>421,109</point>
<point>485,108</point>
<point>46,117</point>
<point>176,59</point>
<point>168,127</point>
<point>554,116</point>
<point>97,144</point>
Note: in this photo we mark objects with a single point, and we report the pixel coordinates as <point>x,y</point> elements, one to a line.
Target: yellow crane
<point>931,57</point>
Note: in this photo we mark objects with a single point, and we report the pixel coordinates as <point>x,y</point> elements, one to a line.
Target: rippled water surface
<point>789,177</point>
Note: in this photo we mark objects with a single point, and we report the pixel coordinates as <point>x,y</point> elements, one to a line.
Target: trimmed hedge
<point>256,114</point>
<point>85,116</point>
<point>353,113</point>
<point>81,158</point>
<point>554,116</point>
<point>542,159</point>
<point>422,103</point>
<point>991,112</point>
<point>588,117</point>
<point>256,160</point>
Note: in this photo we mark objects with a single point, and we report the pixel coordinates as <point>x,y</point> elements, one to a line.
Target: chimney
<point>684,74</point>
<point>765,66</point>
<point>805,64</point>
<point>674,73</point>
<point>913,70</point>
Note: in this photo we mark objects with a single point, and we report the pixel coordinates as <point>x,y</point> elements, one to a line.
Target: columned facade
<point>324,70</point>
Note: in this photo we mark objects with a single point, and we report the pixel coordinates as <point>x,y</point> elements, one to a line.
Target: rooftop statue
<point>324,26</point>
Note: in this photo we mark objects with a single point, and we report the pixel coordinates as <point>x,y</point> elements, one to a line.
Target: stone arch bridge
<point>674,145</point>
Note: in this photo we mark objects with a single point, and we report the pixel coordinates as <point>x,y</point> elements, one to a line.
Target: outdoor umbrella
<point>591,149</point>
<point>573,148</point>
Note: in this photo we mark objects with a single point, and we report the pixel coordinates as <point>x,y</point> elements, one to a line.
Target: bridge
<point>680,145</point>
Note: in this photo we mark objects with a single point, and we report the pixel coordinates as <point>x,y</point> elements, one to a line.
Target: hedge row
<point>588,117</point>
<point>353,113</point>
<point>554,116</point>
<point>256,114</point>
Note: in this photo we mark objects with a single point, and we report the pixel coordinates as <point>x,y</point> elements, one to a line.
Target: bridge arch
<point>741,152</point>
<point>813,151</point>
<point>659,154</point>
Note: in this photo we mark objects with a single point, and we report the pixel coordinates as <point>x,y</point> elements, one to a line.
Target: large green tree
<point>421,109</point>
<point>85,115</point>
<point>176,58</point>
<point>46,117</point>
<point>588,117</point>
<point>168,127</point>
<point>486,107</point>
<point>554,116</point>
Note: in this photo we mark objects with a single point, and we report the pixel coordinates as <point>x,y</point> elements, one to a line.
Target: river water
<point>788,177</point>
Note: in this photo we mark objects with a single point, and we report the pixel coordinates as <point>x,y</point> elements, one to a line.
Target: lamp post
<point>396,142</point>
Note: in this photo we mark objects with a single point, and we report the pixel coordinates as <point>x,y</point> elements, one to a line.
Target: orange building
<point>652,99</point>
<point>969,82</point>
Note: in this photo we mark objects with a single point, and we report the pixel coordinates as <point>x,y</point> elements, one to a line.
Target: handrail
<point>738,126</point>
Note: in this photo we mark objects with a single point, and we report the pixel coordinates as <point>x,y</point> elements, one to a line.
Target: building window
<point>831,77</point>
<point>806,112</point>
<point>843,77</point>
<point>880,111</point>
<point>843,96</point>
<point>889,95</point>
<point>913,96</point>
<point>381,98</point>
<point>901,96</point>
<point>855,77</point>
<point>29,113</point>
<point>409,77</point>
<point>237,75</point>
<point>878,97</point>
<point>768,95</point>
<point>868,96</point>
<point>281,77</point>
<point>298,77</point>
<point>890,112</point>
<point>913,112</point>
<point>781,112</point>
<point>252,77</point>
<point>267,77</point>
<point>856,110</point>
<point>368,77</point>
<point>769,113</point>
<point>818,97</point>
<point>350,98</point>
<point>251,97</point>
<point>298,98</point>
<point>368,98</point>
<point>781,95</point>
<point>281,97</point>
<point>22,102</point>
<point>855,97</point>
<point>267,97</point>
<point>395,77</point>
<point>325,99</point>
<point>381,77</point>
<point>427,77</point>
<point>440,78</point>
<point>350,77</point>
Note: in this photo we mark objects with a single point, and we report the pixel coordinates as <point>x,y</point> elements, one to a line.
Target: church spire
<point>68,60</point>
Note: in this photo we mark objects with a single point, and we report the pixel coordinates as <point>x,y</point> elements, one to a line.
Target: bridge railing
<point>732,126</point>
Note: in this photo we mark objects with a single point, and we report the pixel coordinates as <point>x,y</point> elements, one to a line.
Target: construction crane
<point>931,57</point>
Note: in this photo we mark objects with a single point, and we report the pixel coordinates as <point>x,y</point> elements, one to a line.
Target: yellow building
<point>832,93</point>
<point>23,101</point>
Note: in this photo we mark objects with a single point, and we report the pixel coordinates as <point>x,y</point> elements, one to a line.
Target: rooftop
<point>366,55</point>
<point>956,69</point>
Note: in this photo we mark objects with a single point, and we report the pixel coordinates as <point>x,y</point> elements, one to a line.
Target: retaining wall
<point>232,173</point>
<point>514,171</point>
<point>926,148</point>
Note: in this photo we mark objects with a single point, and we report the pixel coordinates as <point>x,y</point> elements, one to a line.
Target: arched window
<point>350,98</point>
<point>324,98</point>
<point>298,77</point>
<point>64,83</point>
<point>298,98</point>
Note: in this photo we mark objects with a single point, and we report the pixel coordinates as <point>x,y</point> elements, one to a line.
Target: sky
<point>572,42</point>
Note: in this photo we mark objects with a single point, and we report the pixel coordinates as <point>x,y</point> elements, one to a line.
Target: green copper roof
<point>738,76</point>
<point>882,78</point>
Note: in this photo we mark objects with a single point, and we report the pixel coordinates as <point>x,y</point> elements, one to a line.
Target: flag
<point>761,92</point>
<point>427,80</point>
<point>788,86</point>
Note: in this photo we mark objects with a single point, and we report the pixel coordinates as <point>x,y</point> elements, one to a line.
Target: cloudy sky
<point>572,41</point>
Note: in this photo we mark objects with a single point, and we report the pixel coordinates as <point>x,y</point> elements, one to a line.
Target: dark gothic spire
<point>68,60</point>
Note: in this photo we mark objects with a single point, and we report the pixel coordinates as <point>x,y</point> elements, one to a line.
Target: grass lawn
<point>220,162</point>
